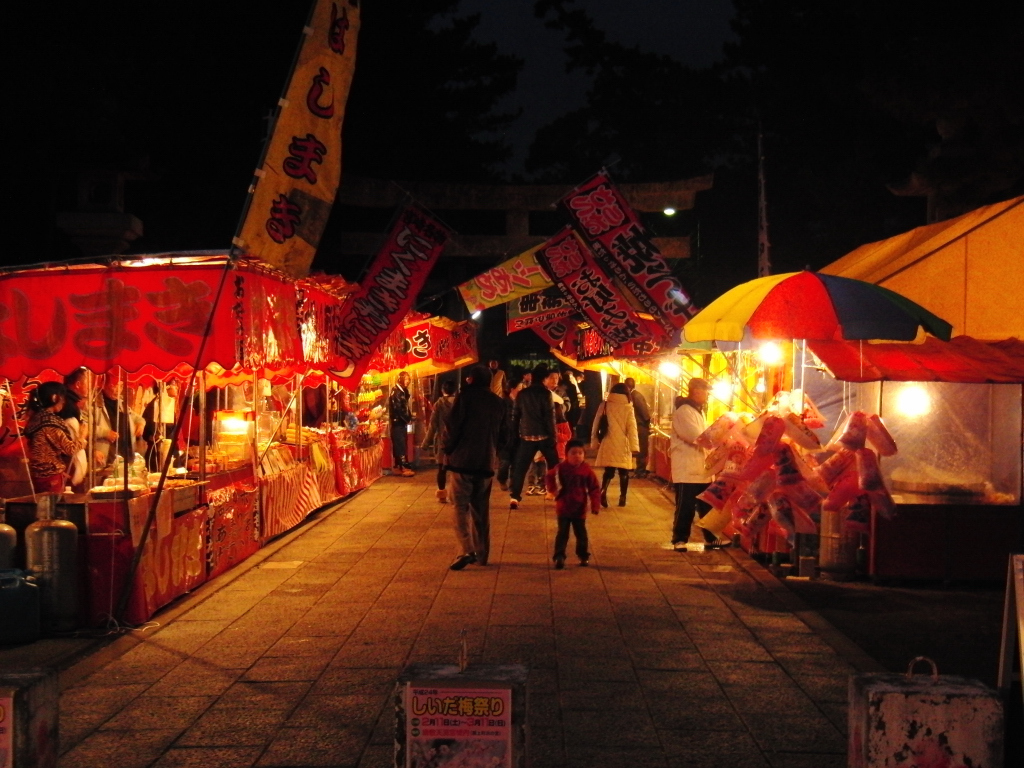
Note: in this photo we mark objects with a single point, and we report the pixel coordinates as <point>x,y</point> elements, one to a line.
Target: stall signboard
<point>142,315</point>
<point>464,350</point>
<point>605,222</point>
<point>457,726</point>
<point>590,291</point>
<point>388,291</point>
<point>516,277</point>
<point>538,308</point>
<point>419,345</point>
<point>441,340</point>
<point>294,188</point>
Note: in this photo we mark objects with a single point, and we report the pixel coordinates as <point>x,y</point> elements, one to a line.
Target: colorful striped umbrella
<point>810,305</point>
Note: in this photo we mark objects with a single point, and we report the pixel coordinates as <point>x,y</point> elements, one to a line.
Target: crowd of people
<point>532,437</point>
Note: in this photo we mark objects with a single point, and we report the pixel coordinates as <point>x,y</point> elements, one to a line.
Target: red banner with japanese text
<point>554,333</point>
<point>605,222</point>
<point>538,308</point>
<point>441,341</point>
<point>140,316</point>
<point>419,346</point>
<point>594,295</point>
<point>295,187</point>
<point>388,291</point>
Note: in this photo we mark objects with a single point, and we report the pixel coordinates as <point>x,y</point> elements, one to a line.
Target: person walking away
<point>615,448</point>
<point>533,419</point>
<point>643,426</point>
<point>400,413</point>
<point>497,378</point>
<point>476,427</point>
<point>575,489</point>
<point>688,473</point>
<point>52,444</point>
<point>437,433</point>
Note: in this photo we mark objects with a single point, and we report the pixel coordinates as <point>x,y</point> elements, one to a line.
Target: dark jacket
<point>398,405</point>
<point>476,430</point>
<point>534,412</point>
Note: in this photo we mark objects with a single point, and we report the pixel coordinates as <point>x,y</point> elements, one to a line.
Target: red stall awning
<point>962,359</point>
<point>148,315</point>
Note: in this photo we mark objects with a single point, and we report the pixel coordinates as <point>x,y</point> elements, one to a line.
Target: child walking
<point>575,487</point>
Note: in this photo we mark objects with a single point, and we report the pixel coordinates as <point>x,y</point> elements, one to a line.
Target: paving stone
<point>341,680</point>
<point>358,712</point>
<point>794,760</point>
<point>233,727</point>
<point>292,646</point>
<point>824,688</point>
<point>264,695</point>
<point>195,678</point>
<point>602,695</point>
<point>285,668</point>
<point>704,748</point>
<point>782,733</point>
<point>124,749</point>
<point>84,708</point>
<point>156,712</point>
<point>209,757</point>
<point>607,728</point>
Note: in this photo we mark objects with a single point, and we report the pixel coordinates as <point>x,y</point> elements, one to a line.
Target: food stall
<point>242,467</point>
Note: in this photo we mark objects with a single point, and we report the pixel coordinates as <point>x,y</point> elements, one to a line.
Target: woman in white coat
<point>616,447</point>
<point>688,473</point>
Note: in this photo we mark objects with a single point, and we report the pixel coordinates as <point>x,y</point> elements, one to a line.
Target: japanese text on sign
<point>449,727</point>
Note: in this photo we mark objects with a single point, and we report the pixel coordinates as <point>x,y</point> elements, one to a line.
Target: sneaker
<point>679,546</point>
<point>559,563</point>
<point>442,496</point>
<point>462,561</point>
<point>584,562</point>
<point>407,473</point>
<point>549,496</point>
<point>513,504</point>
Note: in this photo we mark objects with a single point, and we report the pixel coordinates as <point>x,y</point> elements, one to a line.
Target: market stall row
<point>226,458</point>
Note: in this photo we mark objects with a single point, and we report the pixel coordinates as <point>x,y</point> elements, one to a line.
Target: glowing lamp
<point>722,389</point>
<point>476,315</point>
<point>669,370</point>
<point>770,353</point>
<point>913,401</point>
<point>669,211</point>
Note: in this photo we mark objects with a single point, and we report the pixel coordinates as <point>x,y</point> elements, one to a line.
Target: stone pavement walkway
<point>648,658</point>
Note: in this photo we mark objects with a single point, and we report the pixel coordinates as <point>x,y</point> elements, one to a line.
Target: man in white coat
<point>688,472</point>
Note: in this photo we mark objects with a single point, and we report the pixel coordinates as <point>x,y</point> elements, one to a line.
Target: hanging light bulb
<point>669,369</point>
<point>770,353</point>
<point>760,387</point>
<point>913,401</point>
<point>722,389</point>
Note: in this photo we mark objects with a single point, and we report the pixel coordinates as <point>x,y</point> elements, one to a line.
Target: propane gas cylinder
<point>8,541</point>
<point>51,555</point>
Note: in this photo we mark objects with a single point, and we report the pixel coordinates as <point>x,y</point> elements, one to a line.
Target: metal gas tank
<point>51,555</point>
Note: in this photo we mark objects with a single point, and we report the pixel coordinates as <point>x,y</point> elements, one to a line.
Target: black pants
<point>442,474</point>
<point>399,434</point>
<point>579,529</point>
<point>524,456</point>
<point>688,506</point>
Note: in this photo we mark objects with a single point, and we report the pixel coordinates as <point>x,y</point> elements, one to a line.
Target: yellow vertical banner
<point>295,186</point>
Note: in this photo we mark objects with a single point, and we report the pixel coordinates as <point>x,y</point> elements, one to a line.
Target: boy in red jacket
<point>575,487</point>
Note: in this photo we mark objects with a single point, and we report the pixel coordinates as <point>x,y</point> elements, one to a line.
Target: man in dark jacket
<point>400,413</point>
<point>476,429</point>
<point>533,418</point>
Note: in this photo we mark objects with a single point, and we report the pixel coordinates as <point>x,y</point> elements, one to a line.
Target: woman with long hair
<point>614,432</point>
<point>52,444</point>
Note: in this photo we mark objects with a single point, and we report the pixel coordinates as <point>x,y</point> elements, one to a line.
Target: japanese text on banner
<point>296,186</point>
<point>473,725</point>
<point>388,291</point>
<point>603,219</point>
<point>573,268</point>
<point>538,308</point>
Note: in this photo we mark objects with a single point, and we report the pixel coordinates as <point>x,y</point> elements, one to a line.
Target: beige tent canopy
<point>968,270</point>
